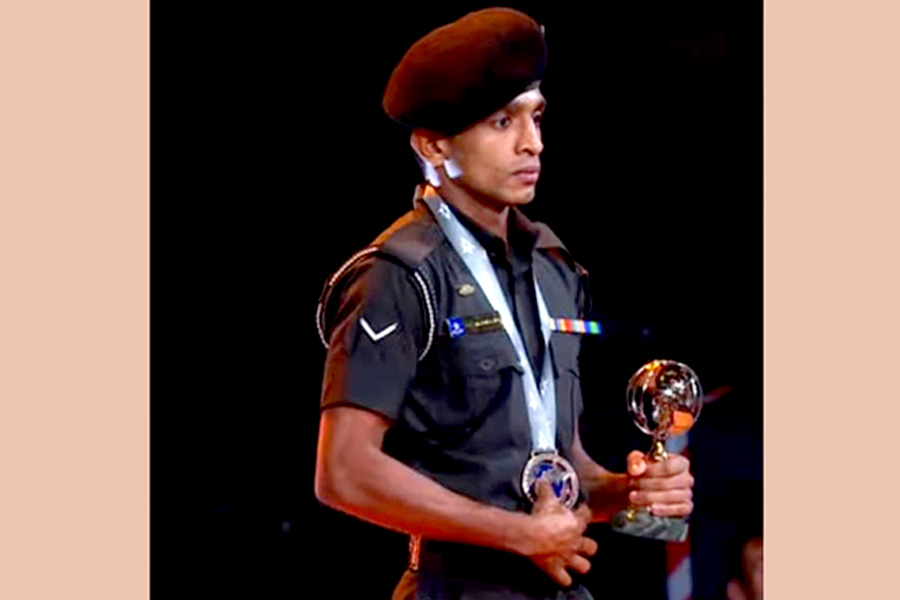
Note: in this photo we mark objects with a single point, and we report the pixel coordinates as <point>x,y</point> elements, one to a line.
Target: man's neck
<point>492,217</point>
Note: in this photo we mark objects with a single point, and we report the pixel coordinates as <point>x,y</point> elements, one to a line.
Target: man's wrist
<point>517,534</point>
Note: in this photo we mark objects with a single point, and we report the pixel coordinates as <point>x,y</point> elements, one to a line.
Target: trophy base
<point>645,525</point>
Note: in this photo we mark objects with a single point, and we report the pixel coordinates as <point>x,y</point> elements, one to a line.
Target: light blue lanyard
<point>540,398</point>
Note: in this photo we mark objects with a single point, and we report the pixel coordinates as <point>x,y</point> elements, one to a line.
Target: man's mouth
<point>528,174</point>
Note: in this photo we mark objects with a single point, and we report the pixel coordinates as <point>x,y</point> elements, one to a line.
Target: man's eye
<point>502,122</point>
<point>538,117</point>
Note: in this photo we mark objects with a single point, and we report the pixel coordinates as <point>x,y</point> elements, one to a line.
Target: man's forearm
<point>607,491</point>
<point>665,488</point>
<point>358,478</point>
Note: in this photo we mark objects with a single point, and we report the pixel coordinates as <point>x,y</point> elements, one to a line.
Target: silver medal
<point>557,471</point>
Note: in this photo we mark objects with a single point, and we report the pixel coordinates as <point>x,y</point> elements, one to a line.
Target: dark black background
<point>272,162</point>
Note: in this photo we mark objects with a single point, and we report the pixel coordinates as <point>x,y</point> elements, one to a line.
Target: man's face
<point>499,157</point>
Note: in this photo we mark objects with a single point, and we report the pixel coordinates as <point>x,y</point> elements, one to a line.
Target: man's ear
<point>427,154</point>
<point>429,145</point>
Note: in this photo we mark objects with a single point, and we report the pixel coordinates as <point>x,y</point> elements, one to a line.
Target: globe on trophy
<point>664,400</point>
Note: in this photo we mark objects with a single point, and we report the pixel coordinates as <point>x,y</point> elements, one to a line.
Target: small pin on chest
<point>465,290</point>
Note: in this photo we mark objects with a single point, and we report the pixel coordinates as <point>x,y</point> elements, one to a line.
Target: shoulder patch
<point>422,289</point>
<point>377,336</point>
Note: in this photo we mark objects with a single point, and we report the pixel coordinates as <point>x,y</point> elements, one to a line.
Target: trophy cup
<point>664,399</point>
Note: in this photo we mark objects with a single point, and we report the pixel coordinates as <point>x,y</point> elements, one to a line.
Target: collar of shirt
<point>521,241</point>
<point>524,234</point>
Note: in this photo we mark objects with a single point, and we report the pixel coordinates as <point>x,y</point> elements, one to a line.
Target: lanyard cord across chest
<point>540,394</point>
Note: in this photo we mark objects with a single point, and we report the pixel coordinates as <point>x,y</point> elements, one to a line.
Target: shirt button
<point>487,364</point>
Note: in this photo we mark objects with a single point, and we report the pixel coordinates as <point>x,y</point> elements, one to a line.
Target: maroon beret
<point>462,72</point>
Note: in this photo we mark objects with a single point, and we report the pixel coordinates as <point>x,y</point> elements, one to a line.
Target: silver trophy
<point>664,399</point>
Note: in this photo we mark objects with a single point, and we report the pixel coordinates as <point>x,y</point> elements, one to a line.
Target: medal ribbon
<point>540,397</point>
<point>575,326</point>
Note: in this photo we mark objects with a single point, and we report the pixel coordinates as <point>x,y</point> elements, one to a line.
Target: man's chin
<point>521,199</point>
<point>506,198</point>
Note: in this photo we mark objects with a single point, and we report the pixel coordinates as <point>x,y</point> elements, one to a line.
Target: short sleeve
<point>374,337</point>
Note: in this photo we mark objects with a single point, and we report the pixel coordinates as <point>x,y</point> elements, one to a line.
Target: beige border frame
<point>74,289</point>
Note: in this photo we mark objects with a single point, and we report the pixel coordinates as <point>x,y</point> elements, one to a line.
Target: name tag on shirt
<point>460,326</point>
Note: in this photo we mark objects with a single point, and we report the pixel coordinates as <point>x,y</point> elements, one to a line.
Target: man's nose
<point>530,138</point>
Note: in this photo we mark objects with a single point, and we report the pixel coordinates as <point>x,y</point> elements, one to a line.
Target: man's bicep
<point>374,339</point>
<point>349,439</point>
<point>344,428</point>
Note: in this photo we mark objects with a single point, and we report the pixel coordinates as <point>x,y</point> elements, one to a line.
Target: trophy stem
<point>657,451</point>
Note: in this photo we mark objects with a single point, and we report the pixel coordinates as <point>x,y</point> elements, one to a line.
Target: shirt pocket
<point>476,374</point>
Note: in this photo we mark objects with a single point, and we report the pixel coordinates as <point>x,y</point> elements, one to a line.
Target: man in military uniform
<point>451,393</point>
